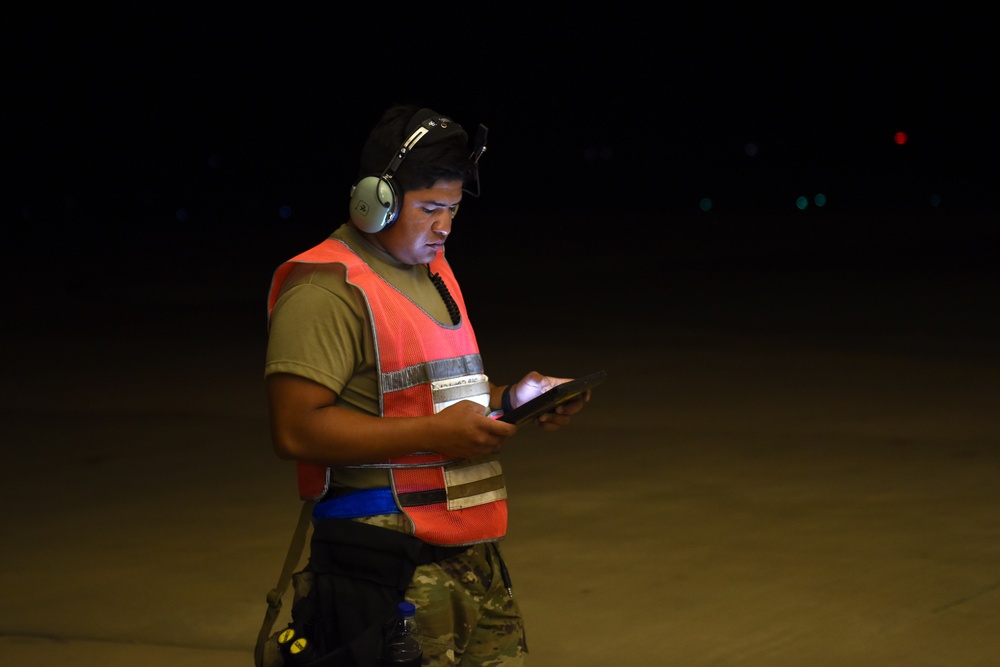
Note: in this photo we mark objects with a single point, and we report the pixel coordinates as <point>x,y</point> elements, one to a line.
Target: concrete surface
<point>791,463</point>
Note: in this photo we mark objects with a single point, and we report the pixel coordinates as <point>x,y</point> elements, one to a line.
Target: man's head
<point>411,148</point>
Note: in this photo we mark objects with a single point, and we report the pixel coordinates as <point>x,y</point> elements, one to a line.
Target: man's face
<point>423,224</point>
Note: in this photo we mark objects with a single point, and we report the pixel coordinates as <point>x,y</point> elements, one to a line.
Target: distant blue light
<point>285,212</point>
<point>802,203</point>
<point>820,200</point>
<point>705,204</point>
<point>751,149</point>
<point>181,214</point>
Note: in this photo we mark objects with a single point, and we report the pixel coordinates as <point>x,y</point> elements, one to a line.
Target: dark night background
<point>797,439</point>
<point>208,142</point>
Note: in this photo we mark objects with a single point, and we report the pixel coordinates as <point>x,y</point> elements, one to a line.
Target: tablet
<point>553,398</point>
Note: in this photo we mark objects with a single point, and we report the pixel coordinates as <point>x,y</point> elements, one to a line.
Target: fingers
<point>562,415</point>
<point>532,385</point>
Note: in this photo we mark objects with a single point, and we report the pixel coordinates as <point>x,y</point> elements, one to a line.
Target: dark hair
<point>438,155</point>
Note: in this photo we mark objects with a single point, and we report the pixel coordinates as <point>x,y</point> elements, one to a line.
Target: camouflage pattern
<point>465,615</point>
<point>398,522</point>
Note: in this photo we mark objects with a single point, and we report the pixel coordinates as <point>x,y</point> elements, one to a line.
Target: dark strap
<point>274,596</point>
<point>418,498</point>
<point>377,554</point>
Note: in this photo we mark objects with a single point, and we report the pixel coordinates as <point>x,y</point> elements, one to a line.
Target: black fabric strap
<point>416,498</point>
<point>505,403</point>
<point>376,554</point>
<point>274,596</point>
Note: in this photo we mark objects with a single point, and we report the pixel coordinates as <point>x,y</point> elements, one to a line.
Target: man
<point>377,390</point>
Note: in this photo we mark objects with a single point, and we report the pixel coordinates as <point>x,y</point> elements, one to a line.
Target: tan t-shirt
<point>320,330</point>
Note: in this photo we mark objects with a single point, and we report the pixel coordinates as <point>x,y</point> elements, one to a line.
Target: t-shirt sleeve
<point>317,328</point>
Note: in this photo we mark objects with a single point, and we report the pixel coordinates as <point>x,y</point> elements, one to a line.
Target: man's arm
<point>306,425</point>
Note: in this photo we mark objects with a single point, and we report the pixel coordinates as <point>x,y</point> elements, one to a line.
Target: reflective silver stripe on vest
<point>471,484</point>
<point>450,383</point>
<point>466,388</point>
<point>429,371</point>
<point>467,484</point>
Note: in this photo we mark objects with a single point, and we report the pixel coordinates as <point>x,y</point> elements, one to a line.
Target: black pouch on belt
<point>361,572</point>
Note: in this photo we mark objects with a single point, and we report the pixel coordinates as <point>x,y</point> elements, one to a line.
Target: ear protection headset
<point>375,200</point>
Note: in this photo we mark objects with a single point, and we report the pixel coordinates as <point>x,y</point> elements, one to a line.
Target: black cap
<point>442,128</point>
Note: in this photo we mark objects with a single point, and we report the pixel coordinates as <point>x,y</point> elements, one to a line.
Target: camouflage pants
<point>465,616</point>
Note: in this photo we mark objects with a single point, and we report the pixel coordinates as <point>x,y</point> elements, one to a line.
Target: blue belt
<point>366,502</point>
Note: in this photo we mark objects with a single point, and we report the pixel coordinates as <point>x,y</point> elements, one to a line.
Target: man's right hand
<point>467,433</point>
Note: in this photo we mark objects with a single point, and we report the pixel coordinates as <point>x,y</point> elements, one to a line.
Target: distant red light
<point>900,138</point>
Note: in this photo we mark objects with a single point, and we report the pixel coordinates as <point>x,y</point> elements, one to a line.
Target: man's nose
<point>442,224</point>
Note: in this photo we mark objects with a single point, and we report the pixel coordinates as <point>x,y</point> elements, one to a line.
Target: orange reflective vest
<point>423,367</point>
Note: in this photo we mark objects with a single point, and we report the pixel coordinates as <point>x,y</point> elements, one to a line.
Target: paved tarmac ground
<point>795,460</point>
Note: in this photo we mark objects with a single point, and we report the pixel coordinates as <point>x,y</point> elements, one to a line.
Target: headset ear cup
<point>374,203</point>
